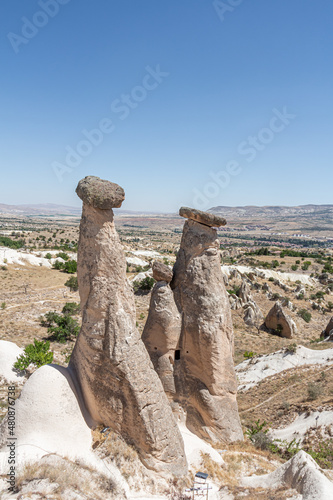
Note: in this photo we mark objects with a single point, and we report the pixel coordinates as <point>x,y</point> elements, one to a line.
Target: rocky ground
<point>27,292</point>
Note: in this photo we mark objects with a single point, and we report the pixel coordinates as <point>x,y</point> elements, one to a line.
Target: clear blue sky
<point>208,110</point>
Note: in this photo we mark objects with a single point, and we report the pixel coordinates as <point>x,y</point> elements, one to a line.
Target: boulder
<point>110,364</point>
<point>99,193</point>
<point>162,272</point>
<point>279,321</point>
<point>206,218</point>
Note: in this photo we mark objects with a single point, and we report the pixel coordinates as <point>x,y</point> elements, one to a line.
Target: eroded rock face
<point>119,384</point>
<point>279,321</point>
<point>204,377</point>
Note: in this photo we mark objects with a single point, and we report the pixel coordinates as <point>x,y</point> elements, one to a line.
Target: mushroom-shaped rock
<point>99,193</point>
<point>279,321</point>
<point>162,272</point>
<point>110,363</point>
<point>206,218</point>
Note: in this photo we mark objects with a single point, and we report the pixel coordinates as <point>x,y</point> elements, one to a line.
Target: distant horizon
<point>78,207</point>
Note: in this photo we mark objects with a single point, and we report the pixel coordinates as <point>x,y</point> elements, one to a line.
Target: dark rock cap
<point>206,218</point>
<point>100,193</point>
<point>162,272</point>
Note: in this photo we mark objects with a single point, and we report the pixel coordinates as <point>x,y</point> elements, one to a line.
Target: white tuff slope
<point>9,353</point>
<point>50,418</point>
<point>23,258</point>
<point>268,273</point>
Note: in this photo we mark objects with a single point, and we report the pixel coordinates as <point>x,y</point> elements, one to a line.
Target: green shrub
<point>256,428</point>
<point>304,314</point>
<point>249,354</point>
<point>294,267</point>
<point>323,454</point>
<point>65,328</point>
<point>37,353</point>
<point>306,265</point>
<point>71,308</point>
<point>61,327</point>
<point>72,284</point>
<point>70,266</point>
<point>49,318</point>
<point>9,243</point>
<point>58,265</point>
<point>48,256</point>
<point>146,283</point>
<point>63,255</point>
<point>3,305</point>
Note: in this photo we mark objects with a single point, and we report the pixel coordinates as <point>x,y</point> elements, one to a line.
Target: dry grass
<point>63,476</point>
<point>280,398</point>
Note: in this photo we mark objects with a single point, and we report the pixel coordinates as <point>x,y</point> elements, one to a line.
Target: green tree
<point>37,353</point>
<point>72,284</point>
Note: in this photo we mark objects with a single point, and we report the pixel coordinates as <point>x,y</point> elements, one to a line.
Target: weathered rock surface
<point>206,218</point>
<point>252,314</point>
<point>162,272</point>
<point>162,332</point>
<point>328,332</point>
<point>244,292</point>
<point>235,302</point>
<point>279,321</point>
<point>112,367</point>
<point>99,193</point>
<point>202,345</point>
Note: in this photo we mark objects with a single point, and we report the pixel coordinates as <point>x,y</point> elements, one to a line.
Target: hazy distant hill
<point>39,209</point>
<point>269,212</point>
<point>54,209</point>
